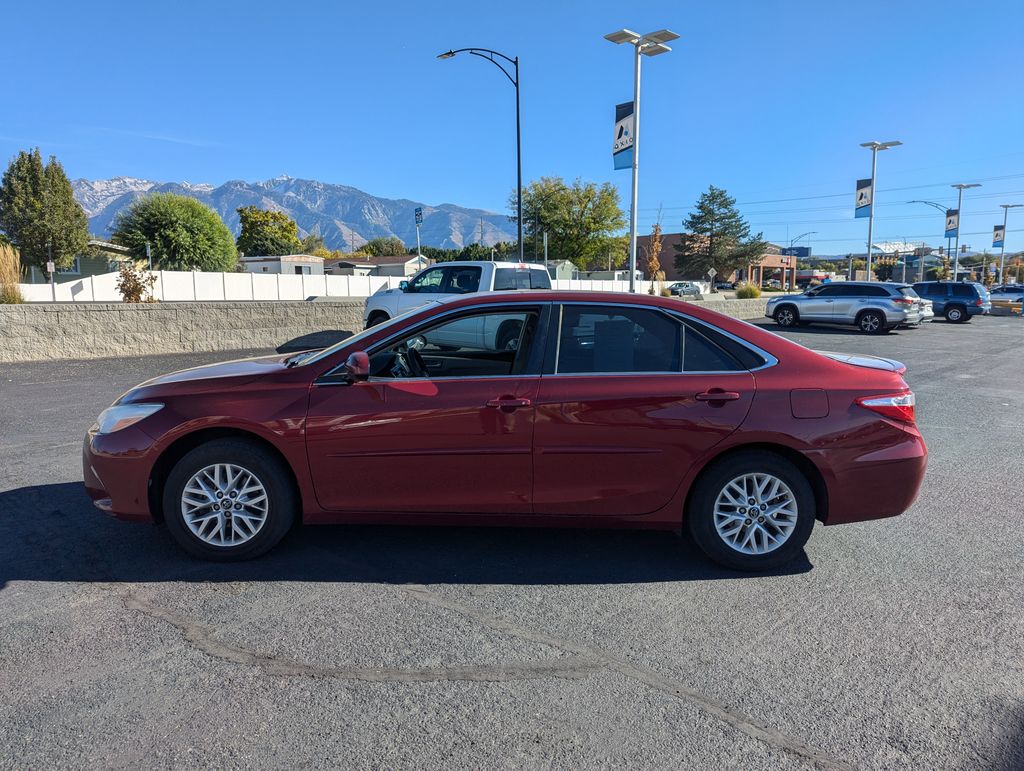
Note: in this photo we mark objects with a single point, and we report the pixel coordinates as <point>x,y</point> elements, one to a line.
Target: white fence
<point>183,285</point>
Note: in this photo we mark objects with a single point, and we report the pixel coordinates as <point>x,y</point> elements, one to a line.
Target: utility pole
<point>1002,248</point>
<point>959,222</point>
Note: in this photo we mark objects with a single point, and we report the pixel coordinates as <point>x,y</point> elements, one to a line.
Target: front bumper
<point>116,469</point>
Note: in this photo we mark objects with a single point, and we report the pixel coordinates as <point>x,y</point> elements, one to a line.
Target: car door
<point>456,439</point>
<point>626,405</point>
<point>428,286</point>
<point>847,300</point>
<point>816,305</point>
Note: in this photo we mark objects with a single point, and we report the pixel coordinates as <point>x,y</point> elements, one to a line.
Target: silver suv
<point>871,306</point>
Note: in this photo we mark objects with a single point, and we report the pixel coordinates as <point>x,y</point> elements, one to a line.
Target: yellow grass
<point>10,275</point>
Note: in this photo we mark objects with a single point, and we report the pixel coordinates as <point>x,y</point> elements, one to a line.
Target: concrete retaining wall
<point>95,330</point>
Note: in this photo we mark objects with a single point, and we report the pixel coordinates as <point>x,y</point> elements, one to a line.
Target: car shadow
<point>321,339</point>
<point>817,329</point>
<point>53,533</point>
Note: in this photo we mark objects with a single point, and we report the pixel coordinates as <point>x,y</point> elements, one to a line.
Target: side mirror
<point>357,367</point>
<point>403,285</point>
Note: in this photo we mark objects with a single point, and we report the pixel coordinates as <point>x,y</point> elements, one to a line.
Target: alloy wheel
<point>224,504</point>
<point>755,513</point>
<point>784,317</point>
<point>870,322</point>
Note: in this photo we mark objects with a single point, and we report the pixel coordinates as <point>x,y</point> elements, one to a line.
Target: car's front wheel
<point>786,316</point>
<point>753,510</point>
<point>375,318</point>
<point>229,499</point>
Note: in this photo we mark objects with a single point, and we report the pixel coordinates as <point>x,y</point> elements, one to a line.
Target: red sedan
<point>545,409</point>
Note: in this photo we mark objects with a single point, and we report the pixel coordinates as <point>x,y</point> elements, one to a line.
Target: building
<point>562,269</point>
<point>300,264</point>
<point>771,265</point>
<point>103,257</point>
<point>382,265</point>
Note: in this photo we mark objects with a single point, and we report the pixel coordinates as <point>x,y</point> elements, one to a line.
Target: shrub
<point>10,275</point>
<point>747,291</point>
<point>666,292</point>
<point>134,284</point>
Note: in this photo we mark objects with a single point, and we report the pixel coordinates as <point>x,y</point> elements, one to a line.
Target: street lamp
<point>875,147</point>
<point>651,44</point>
<point>1002,250</point>
<point>489,55</point>
<point>960,218</point>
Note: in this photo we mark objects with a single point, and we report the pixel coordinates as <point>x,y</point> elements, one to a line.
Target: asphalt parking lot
<point>893,643</point>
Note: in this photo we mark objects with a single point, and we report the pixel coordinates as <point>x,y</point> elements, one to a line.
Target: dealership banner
<point>864,195</point>
<point>622,149</point>
<point>998,235</point>
<point>952,223</point>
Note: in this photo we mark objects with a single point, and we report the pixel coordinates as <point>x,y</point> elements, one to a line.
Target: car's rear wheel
<point>753,510</point>
<point>956,314</point>
<point>229,499</point>
<point>508,335</point>
<point>872,323</point>
<point>377,317</point>
<point>786,316</point>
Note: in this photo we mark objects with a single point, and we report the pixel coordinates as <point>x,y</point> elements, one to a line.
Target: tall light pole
<point>793,256</point>
<point>1002,250</point>
<point>486,53</point>
<point>960,219</point>
<point>651,44</point>
<point>942,209</point>
<point>875,147</point>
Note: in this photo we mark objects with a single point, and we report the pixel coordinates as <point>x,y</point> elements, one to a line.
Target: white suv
<point>450,279</point>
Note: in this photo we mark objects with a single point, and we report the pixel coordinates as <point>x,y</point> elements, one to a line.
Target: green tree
<point>183,233</point>
<point>384,247</point>
<point>266,233</point>
<point>311,244</point>
<point>580,219</point>
<point>716,237</point>
<point>39,213</point>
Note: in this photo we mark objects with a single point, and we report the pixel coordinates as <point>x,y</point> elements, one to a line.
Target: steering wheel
<point>408,363</point>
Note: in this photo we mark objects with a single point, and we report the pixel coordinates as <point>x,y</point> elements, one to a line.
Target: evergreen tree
<point>267,233</point>
<point>716,237</point>
<point>183,233</point>
<point>39,213</point>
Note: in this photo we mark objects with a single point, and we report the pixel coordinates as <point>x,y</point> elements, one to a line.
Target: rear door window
<point>463,279</point>
<point>521,278</point>
<point>964,290</point>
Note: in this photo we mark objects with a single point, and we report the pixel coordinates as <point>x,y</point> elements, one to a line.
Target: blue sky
<point>769,100</point>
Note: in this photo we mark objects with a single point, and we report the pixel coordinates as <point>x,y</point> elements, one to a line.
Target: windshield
<point>310,357</point>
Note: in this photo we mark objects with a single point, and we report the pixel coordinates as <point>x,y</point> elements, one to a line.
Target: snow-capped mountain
<point>344,216</point>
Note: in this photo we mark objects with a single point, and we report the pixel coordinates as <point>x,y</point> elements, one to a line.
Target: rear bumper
<point>878,484</point>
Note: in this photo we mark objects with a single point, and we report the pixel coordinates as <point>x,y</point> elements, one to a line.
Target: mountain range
<point>343,216</point>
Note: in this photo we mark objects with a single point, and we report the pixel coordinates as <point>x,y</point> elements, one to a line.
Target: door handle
<point>509,403</point>
<point>715,395</point>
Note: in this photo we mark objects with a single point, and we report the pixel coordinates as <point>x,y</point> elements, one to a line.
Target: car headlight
<point>123,415</point>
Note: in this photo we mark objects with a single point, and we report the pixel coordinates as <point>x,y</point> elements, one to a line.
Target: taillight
<point>903,301</point>
<point>979,302</point>
<point>896,406</point>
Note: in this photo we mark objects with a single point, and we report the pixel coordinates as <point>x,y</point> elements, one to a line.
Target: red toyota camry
<point>546,409</point>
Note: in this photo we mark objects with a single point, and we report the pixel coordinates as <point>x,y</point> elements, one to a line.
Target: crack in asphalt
<point>582,661</point>
<point>201,638</point>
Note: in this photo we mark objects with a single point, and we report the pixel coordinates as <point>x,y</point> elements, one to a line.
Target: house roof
<point>377,260</point>
<point>281,258</point>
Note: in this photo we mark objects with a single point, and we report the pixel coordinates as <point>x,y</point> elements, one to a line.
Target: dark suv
<point>956,300</point>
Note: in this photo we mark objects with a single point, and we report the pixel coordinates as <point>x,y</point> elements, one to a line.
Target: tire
<point>872,323</point>
<point>956,314</point>
<point>786,316</point>
<point>254,537</point>
<point>711,493</point>
<point>508,333</point>
<point>377,317</point>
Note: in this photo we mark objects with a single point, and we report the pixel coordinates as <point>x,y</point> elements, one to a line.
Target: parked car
<point>958,301</point>
<point>613,410</point>
<point>684,289</point>
<point>726,284</point>
<point>871,306</point>
<point>451,279</point>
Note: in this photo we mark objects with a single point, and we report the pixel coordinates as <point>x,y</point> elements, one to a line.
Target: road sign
<point>50,267</point>
<point>419,215</point>
<point>712,272</point>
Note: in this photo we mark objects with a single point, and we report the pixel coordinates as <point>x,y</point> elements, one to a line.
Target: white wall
<point>174,285</point>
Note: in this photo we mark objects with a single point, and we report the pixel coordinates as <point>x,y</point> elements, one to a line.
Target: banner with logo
<point>622,148</point>
<point>952,222</point>
<point>998,235</point>
<point>864,196</point>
